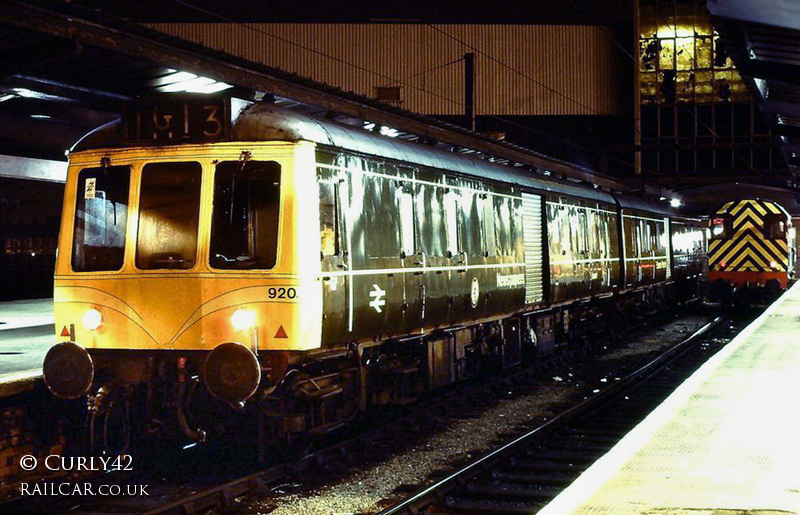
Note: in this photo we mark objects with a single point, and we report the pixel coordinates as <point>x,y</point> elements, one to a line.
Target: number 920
<point>281,293</point>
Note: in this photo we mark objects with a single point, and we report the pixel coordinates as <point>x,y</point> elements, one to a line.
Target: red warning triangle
<point>281,333</point>
<point>65,332</point>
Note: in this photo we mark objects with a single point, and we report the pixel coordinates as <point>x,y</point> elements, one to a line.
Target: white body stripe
<point>376,271</point>
<point>579,261</point>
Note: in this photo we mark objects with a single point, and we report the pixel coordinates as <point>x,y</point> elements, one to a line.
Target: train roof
<point>629,203</point>
<point>268,122</point>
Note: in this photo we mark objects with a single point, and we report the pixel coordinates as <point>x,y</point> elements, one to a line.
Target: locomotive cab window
<point>244,224</point>
<point>775,227</point>
<point>101,215</point>
<point>169,206</point>
<point>720,226</point>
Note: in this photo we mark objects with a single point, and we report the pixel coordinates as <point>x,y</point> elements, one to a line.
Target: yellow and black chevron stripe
<point>744,248</point>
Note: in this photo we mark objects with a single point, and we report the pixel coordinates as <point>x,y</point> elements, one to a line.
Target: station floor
<point>727,441</point>
<point>26,334</point>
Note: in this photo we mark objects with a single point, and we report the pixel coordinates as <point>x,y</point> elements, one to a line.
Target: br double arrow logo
<point>377,301</point>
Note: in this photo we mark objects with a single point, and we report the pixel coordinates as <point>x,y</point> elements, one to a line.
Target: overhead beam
<point>680,182</point>
<point>13,167</point>
<point>100,100</point>
<point>145,43</point>
<point>774,108</point>
<point>780,13</point>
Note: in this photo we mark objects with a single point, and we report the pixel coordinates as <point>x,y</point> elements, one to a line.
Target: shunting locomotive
<point>752,249</point>
<point>216,260</point>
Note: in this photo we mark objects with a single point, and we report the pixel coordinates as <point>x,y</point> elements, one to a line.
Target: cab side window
<point>721,227</point>
<point>774,227</point>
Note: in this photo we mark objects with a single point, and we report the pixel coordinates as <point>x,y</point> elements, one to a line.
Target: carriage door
<point>334,255</point>
<point>413,260</point>
<point>433,257</point>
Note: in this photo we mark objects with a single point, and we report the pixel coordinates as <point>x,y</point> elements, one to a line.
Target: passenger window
<point>406,206</point>
<point>583,245</point>
<point>663,238</point>
<point>470,223</point>
<point>489,243</point>
<point>244,224</point>
<point>430,222</point>
<point>628,233</point>
<point>328,219</point>
<point>169,207</point>
<point>502,225</point>
<point>451,222</point>
<point>380,218</point>
<point>641,243</point>
<point>101,217</point>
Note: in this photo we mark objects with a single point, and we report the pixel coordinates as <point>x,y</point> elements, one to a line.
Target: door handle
<point>462,262</point>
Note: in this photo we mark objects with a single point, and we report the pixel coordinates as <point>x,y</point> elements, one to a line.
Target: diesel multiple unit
<point>305,270</point>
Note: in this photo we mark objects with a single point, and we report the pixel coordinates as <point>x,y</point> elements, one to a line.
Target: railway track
<point>526,473</point>
<point>199,495</point>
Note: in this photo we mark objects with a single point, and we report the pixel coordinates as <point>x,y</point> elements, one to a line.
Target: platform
<point>725,441</point>
<point>18,314</point>
<point>26,333</point>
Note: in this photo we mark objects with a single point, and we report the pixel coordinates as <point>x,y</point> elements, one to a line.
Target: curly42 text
<point>58,463</point>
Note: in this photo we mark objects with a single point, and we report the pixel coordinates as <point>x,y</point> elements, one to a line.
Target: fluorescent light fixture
<point>29,93</point>
<point>189,82</point>
<point>176,77</point>
<point>388,131</point>
<point>26,93</point>
<point>41,116</point>
<point>675,202</point>
<point>3,98</point>
<point>368,126</point>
